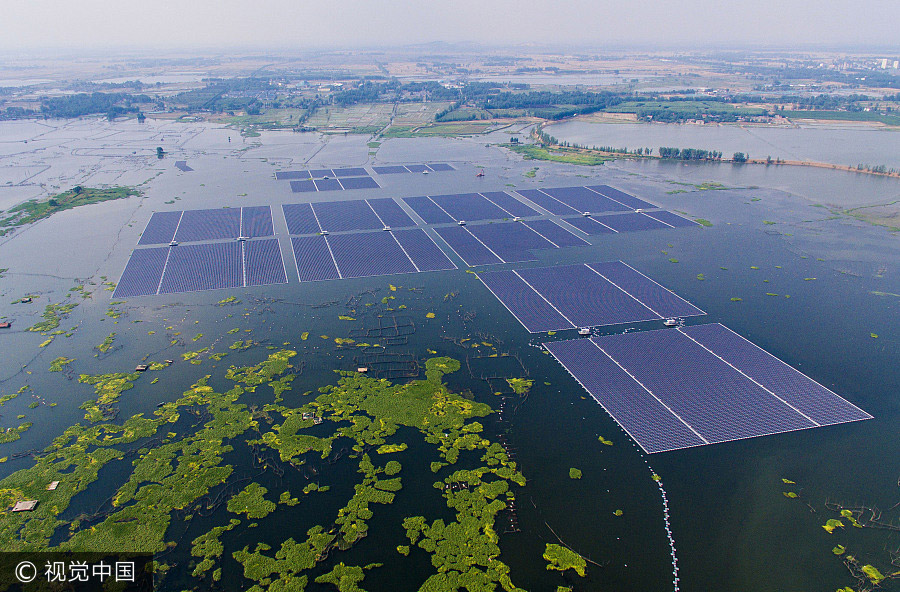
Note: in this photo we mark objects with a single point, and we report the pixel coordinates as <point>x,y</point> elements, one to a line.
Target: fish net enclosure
<point>389,365</point>
<point>387,330</point>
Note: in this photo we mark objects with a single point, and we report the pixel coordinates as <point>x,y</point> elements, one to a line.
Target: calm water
<point>846,144</point>
<point>734,529</point>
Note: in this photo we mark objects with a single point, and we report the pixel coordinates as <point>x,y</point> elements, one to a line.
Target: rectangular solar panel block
<point>717,401</point>
<point>350,172</point>
<point>584,297</point>
<point>143,273</point>
<point>635,409</point>
<point>512,241</point>
<point>417,168</point>
<point>509,203</point>
<point>390,212</point>
<point>319,173</point>
<point>631,221</point>
<point>203,225</point>
<point>389,169</point>
<point>160,228</point>
<point>428,210</point>
<point>440,166</point>
<point>192,268</point>
<point>672,219</point>
<point>313,259</point>
<point>263,264</point>
<point>256,221</point>
<point>290,175</point>
<point>800,391</point>
<point>469,206</point>
<point>535,314</point>
<point>423,251</point>
<point>652,295</point>
<point>467,246</point>
<point>585,200</point>
<point>302,186</point>
<point>300,219</point>
<point>359,183</point>
<point>553,206</point>
<point>369,254</point>
<point>556,234</point>
<point>622,197</point>
<point>328,185</point>
<point>589,225</point>
<point>338,216</point>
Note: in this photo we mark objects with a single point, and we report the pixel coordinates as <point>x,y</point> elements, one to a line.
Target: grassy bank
<point>559,154</point>
<point>34,210</point>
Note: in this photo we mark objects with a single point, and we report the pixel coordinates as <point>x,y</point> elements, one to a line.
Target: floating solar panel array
<point>203,225</point>
<point>206,266</point>
<point>698,385</point>
<point>343,216</point>
<point>583,295</point>
<point>366,254</point>
<point>332,184</point>
<point>570,200</point>
<point>504,242</point>
<point>629,222</point>
<point>321,173</point>
<point>413,168</point>
<point>491,205</point>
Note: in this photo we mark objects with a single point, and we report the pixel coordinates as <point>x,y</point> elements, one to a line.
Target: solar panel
<point>554,206</point>
<point>302,186</point>
<point>807,396</point>
<point>422,250</point>
<point>389,169</point>
<point>289,175</point>
<point>585,200</point>
<point>440,166</point>
<point>319,173</point>
<point>469,206</point>
<point>300,219</point>
<point>203,267</point>
<point>631,221</point>
<point>142,273</point>
<point>556,234</point>
<point>716,400</point>
<point>160,228</point>
<point>467,246</point>
<point>390,212</point>
<point>359,183</point>
<point>589,225</point>
<point>509,204</point>
<point>256,221</point>
<point>584,297</point>
<point>635,409</point>
<point>652,295</point>
<point>202,225</point>
<point>511,241</point>
<point>428,210</point>
<point>313,259</point>
<point>621,197</point>
<point>350,172</point>
<point>535,313</point>
<point>417,168</point>
<point>263,264</point>
<point>368,254</point>
<point>671,219</point>
<point>328,185</point>
<point>346,215</point>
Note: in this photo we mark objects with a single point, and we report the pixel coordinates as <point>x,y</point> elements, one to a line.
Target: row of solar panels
<point>204,225</point>
<point>697,385</point>
<point>360,171</point>
<point>330,184</point>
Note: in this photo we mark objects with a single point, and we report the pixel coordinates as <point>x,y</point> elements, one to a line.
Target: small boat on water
<point>672,322</point>
<point>584,331</point>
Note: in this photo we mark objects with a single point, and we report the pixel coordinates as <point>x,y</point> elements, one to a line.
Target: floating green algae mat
<point>561,558</point>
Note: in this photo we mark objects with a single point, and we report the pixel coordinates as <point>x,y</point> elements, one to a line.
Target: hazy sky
<point>300,23</point>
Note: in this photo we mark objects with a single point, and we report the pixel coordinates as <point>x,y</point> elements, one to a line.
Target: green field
<point>686,109</point>
<point>532,152</point>
<point>446,130</point>
<point>843,116</point>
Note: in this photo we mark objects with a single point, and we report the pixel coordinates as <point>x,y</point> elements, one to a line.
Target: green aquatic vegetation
<point>286,499</point>
<point>873,335</point>
<point>788,481</point>
<point>233,331</point>
<point>13,434</point>
<point>53,314</point>
<point>392,468</point>
<point>429,315</point>
<point>831,524</point>
<point>193,355</point>
<point>107,343</point>
<point>250,501</point>
<point>532,173</point>
<point>209,547</point>
<point>46,342</point>
<point>851,518</point>
<point>197,337</point>
<point>872,573</point>
<point>389,448</point>
<point>344,341</point>
<point>345,318</point>
<point>604,441</point>
<point>789,494</point>
<point>108,388</point>
<point>242,345</point>
<point>345,578</point>
<point>673,260</point>
<point>574,473</point>
<point>618,513</point>
<point>769,222</point>
<point>229,300</point>
<point>736,299</point>
<point>701,277</point>
<point>561,558</point>
<point>520,386</point>
<point>703,222</point>
<point>839,550</point>
<point>59,364</point>
<point>304,336</point>
<point>771,294</point>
